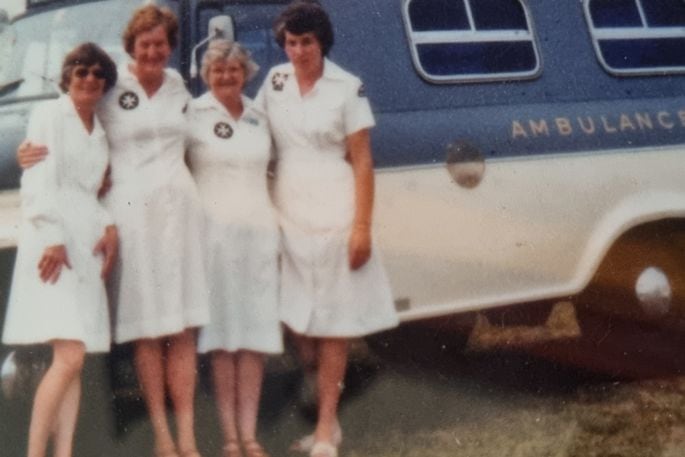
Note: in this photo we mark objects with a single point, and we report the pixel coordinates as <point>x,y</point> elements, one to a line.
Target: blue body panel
<point>418,119</point>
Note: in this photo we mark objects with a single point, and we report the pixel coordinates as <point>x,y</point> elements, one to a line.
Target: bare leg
<point>330,377</point>
<point>66,419</point>
<point>224,375</point>
<point>307,351</point>
<point>149,361</point>
<point>67,361</point>
<point>249,388</point>
<point>181,374</point>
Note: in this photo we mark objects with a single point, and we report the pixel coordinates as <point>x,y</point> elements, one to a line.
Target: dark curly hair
<point>305,16</point>
<point>87,55</point>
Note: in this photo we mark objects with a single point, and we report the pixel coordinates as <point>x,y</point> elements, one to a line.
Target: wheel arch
<point>660,211</point>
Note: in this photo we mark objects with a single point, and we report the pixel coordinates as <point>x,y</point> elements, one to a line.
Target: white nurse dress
<point>228,159</point>
<point>60,206</point>
<point>320,295</point>
<point>159,286</point>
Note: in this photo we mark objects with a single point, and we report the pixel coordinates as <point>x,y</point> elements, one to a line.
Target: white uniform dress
<point>60,206</point>
<point>320,295</point>
<point>159,287</point>
<point>229,161</point>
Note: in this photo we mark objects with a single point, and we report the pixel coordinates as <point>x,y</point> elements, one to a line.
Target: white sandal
<point>306,443</point>
<point>324,449</point>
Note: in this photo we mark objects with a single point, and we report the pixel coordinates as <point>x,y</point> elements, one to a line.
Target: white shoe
<point>306,443</point>
<point>323,449</point>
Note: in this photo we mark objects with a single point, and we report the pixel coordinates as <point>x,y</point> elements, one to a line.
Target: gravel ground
<point>584,418</point>
<point>412,403</point>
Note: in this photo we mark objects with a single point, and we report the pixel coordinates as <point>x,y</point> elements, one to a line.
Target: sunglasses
<point>83,72</point>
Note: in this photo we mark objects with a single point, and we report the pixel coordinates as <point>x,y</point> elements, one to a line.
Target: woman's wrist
<point>362,225</point>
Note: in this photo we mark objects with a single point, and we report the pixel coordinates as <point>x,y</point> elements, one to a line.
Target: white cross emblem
<point>278,80</point>
<point>128,100</point>
<point>223,130</point>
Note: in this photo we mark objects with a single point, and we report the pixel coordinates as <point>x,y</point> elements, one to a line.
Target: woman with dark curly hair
<point>67,246</point>
<point>333,286</point>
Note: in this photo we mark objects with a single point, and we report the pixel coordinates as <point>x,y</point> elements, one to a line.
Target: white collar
<point>126,76</point>
<point>67,108</point>
<point>330,70</point>
<point>208,101</point>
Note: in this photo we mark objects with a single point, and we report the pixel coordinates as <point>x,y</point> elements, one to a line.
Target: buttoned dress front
<point>315,196</point>
<point>228,159</point>
<point>159,286</point>
<point>60,207</point>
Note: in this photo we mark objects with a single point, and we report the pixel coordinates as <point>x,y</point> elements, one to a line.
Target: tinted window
<point>664,13</point>
<point>615,13</point>
<point>498,15</point>
<point>627,54</point>
<point>653,42</point>
<point>40,42</point>
<point>477,58</point>
<point>438,15</point>
<point>471,40</point>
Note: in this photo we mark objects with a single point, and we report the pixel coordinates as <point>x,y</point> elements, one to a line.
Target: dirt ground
<point>413,402</point>
<point>642,419</point>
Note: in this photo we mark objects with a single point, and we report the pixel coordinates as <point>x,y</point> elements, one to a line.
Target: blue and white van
<point>525,150</point>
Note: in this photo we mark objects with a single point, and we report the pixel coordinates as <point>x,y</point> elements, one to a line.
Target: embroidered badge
<point>128,100</point>
<point>361,92</point>
<point>278,81</point>
<point>250,120</point>
<point>223,130</point>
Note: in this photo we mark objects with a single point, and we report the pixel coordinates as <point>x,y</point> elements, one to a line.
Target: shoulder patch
<point>250,120</point>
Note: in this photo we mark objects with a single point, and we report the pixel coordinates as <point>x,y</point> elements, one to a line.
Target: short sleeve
<point>357,110</point>
<point>40,183</point>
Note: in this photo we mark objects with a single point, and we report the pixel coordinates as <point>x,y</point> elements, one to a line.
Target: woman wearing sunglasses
<point>158,288</point>
<point>67,246</point>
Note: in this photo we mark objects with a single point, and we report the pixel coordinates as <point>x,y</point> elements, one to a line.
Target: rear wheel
<point>632,315</point>
<point>642,277</point>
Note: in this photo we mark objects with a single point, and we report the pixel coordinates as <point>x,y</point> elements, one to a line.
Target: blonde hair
<point>220,50</point>
<point>147,18</point>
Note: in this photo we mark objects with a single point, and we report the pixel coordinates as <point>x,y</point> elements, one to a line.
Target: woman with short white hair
<point>229,150</point>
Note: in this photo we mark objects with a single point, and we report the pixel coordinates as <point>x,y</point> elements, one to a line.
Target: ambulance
<point>526,151</point>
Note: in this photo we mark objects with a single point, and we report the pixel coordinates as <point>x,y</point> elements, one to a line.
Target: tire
<point>623,335</point>
<point>657,246</point>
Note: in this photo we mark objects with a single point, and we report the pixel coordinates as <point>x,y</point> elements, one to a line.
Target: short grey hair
<point>220,50</point>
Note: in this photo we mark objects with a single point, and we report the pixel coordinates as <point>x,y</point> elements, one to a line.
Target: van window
<point>456,41</point>
<point>637,37</point>
<point>31,64</point>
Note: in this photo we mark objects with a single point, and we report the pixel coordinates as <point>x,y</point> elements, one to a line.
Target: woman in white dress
<point>333,286</point>
<point>229,147</point>
<point>159,289</point>
<point>66,248</point>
